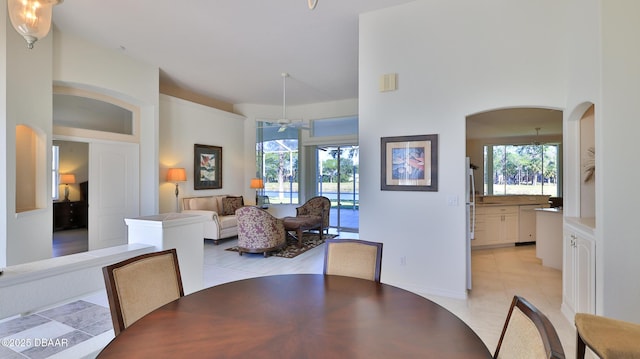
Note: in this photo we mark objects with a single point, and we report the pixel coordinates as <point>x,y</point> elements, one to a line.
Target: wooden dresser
<point>68,215</point>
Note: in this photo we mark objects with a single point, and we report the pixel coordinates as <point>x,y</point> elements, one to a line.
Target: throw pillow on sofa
<point>230,204</point>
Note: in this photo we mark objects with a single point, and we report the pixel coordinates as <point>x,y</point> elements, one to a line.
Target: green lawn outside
<point>326,187</point>
<point>346,189</point>
<point>550,189</point>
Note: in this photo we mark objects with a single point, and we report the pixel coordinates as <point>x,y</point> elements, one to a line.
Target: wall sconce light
<point>67,179</point>
<point>257,184</point>
<point>312,4</point>
<point>177,175</point>
<point>31,18</point>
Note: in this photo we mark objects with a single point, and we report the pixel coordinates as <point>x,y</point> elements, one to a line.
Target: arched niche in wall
<point>31,179</point>
<point>580,153</point>
<point>588,164</point>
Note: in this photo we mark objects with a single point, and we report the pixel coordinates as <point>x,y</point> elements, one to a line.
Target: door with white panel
<point>113,192</point>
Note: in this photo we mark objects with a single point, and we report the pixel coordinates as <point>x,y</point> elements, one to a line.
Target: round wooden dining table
<point>299,316</point>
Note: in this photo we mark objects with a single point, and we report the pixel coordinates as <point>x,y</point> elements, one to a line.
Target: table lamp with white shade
<point>257,184</point>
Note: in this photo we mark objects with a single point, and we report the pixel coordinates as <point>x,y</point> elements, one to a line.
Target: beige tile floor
<point>498,274</point>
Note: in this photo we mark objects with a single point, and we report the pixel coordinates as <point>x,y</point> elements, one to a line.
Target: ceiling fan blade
<point>267,124</point>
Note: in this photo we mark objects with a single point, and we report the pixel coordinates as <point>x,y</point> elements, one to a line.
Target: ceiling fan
<point>536,141</point>
<point>283,123</point>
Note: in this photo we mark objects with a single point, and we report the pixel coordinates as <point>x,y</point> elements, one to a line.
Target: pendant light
<point>31,18</point>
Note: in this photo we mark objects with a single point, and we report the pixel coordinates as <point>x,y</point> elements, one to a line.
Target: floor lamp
<point>177,175</point>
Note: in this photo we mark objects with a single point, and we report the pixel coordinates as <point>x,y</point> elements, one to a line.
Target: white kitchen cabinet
<point>578,271</point>
<point>496,225</point>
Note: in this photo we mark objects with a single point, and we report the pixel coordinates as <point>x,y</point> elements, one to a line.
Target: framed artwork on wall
<point>207,167</point>
<point>409,163</point>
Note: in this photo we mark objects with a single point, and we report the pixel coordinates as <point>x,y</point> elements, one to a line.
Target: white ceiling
<point>236,50</point>
<point>233,50</point>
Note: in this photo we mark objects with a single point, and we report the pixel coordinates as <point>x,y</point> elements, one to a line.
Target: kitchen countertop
<point>512,200</point>
<point>586,223</point>
<point>550,210</point>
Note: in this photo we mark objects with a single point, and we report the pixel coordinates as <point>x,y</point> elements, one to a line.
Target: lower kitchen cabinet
<point>496,225</point>
<point>578,271</point>
<point>527,221</point>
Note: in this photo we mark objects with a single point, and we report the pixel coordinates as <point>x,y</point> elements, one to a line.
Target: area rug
<point>309,241</point>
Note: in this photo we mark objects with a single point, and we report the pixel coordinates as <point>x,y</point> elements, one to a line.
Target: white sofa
<point>219,224</point>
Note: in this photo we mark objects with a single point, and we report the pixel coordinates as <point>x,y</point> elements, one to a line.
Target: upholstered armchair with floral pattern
<point>259,231</point>
<point>316,207</point>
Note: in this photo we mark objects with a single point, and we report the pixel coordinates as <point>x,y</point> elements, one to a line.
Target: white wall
<point>453,59</point>
<point>29,76</point>
<point>583,90</point>
<point>27,235</point>
<point>183,124</point>
<point>616,172</point>
<point>79,63</point>
<point>603,62</point>
<point>4,186</point>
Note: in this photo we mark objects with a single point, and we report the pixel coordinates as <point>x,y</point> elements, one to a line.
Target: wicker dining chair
<point>353,258</point>
<point>139,285</point>
<point>609,338</point>
<point>528,334</point>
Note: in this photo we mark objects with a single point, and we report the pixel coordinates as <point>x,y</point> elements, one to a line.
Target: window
<point>522,169</point>
<point>277,162</point>
<point>340,126</point>
<point>55,172</point>
<point>338,180</point>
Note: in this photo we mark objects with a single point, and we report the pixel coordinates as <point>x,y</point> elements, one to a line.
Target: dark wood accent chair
<point>353,258</point>
<point>608,338</point>
<point>528,334</point>
<point>139,285</point>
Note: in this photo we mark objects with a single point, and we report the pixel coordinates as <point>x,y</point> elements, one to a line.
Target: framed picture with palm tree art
<point>409,163</point>
<point>207,167</point>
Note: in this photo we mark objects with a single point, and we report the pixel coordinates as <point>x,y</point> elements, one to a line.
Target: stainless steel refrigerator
<point>470,201</point>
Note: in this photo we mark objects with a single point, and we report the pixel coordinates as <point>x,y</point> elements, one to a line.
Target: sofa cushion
<point>204,203</point>
<point>218,199</point>
<point>230,204</point>
<point>227,221</point>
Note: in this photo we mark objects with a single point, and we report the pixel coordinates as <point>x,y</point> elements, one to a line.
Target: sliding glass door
<point>338,180</point>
